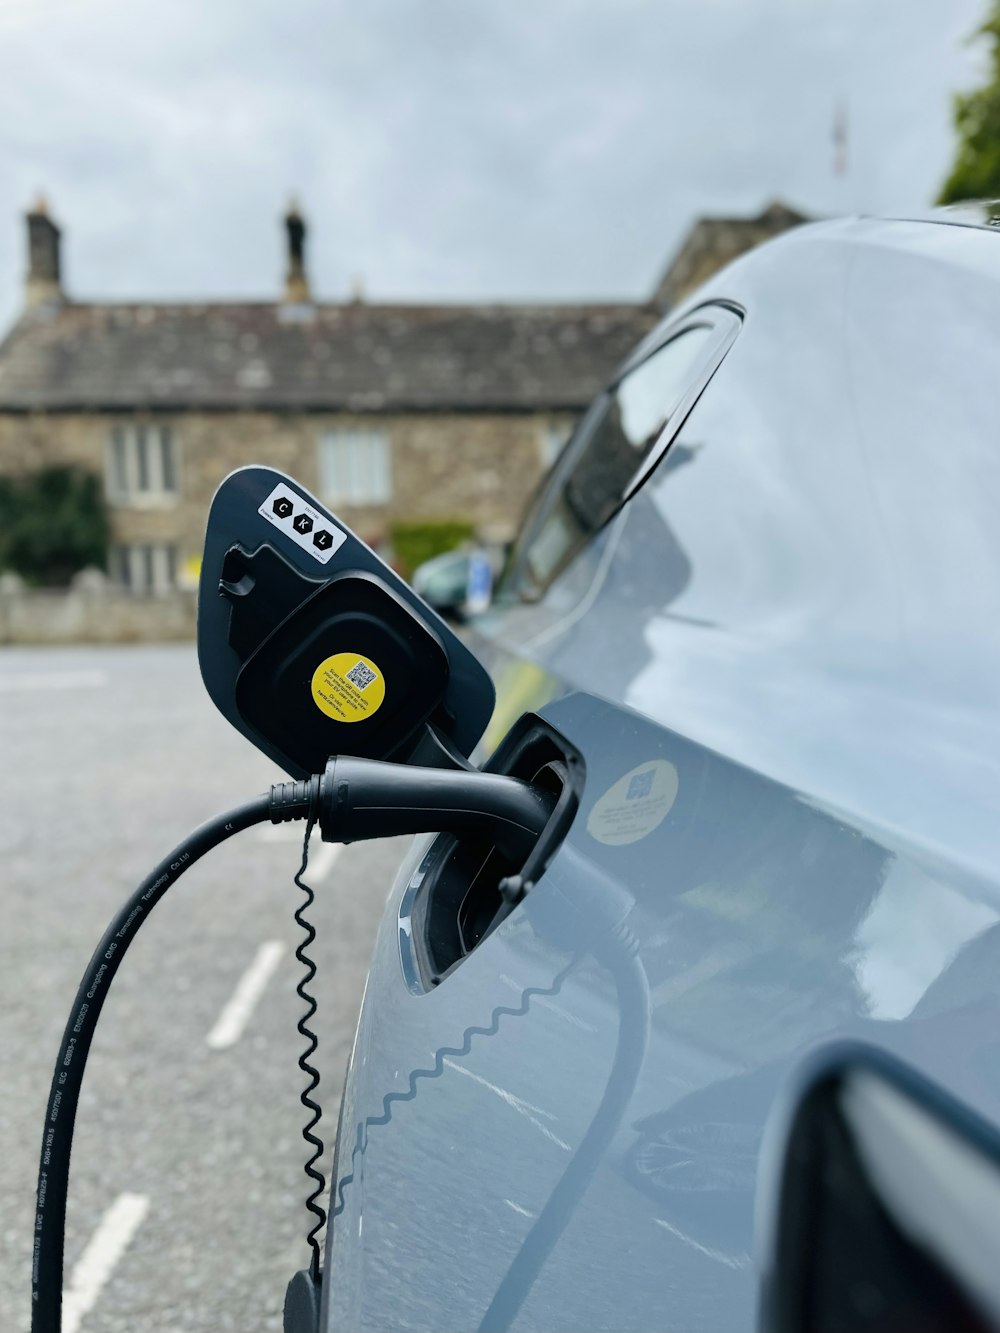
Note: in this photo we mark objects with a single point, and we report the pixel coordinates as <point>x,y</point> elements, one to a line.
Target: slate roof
<point>352,356</point>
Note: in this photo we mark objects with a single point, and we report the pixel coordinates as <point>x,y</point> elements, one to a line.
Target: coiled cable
<point>316,1111</point>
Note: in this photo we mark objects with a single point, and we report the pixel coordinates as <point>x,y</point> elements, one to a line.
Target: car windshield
<point>601,461</point>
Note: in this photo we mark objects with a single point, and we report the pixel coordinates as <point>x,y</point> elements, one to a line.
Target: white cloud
<point>444,148</point>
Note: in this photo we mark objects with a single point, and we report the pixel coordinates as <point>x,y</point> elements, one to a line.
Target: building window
<point>145,567</point>
<point>142,465</point>
<point>355,467</point>
<point>550,443</point>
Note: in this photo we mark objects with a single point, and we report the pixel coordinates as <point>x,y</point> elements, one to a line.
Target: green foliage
<point>976,173</point>
<point>414,543</point>
<point>52,523</point>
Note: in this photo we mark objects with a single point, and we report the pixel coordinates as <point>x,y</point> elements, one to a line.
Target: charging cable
<point>352,799</point>
<point>64,1093</point>
<point>587,911</point>
<point>583,912</point>
<point>620,955</point>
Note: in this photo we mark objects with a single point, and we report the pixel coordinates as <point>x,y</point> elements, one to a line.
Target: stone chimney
<point>42,285</point>
<point>296,282</point>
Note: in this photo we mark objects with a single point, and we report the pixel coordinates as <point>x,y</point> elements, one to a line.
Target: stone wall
<point>478,467</point>
<point>93,611</point>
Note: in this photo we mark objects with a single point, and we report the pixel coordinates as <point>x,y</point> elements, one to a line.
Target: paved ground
<point>110,757</point>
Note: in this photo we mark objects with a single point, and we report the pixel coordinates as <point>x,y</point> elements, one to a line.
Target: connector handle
<point>369,798</point>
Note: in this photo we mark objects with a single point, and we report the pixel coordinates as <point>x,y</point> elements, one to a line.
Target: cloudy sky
<point>447,149</point>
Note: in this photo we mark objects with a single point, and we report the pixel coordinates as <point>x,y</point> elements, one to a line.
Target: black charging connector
<point>357,799</point>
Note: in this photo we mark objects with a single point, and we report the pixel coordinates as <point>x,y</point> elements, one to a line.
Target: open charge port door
<point>465,886</point>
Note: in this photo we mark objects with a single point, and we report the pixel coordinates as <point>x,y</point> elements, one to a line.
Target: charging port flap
<point>466,885</point>
<point>312,646</point>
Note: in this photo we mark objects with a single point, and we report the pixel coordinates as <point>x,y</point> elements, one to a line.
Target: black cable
<point>64,1094</point>
<point>352,799</point>
<point>316,1111</point>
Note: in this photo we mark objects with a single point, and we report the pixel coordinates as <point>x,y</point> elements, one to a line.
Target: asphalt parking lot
<point>187,1164</point>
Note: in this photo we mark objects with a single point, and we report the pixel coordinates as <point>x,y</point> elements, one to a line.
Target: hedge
<point>53,523</point>
<point>413,543</point>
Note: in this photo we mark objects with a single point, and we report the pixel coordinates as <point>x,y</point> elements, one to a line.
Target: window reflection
<point>612,445</point>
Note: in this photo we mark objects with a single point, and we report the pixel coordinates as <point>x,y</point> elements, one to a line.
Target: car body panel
<point>786,646</point>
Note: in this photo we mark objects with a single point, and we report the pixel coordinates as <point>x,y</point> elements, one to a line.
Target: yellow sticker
<point>348,687</point>
<point>636,804</point>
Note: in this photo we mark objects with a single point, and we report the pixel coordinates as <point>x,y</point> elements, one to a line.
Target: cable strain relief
<point>294,800</point>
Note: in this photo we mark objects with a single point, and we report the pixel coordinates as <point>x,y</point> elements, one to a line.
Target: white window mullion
<point>161,569</point>
<point>372,469</point>
<point>357,491</point>
<point>345,454</point>
<point>355,467</point>
<point>341,475</point>
<point>383,469</point>
<point>345,468</point>
<point>136,574</point>
<point>141,466</point>
<point>131,459</point>
<point>154,460</point>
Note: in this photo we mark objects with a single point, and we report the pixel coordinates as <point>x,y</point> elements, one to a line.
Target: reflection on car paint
<point>799,615</point>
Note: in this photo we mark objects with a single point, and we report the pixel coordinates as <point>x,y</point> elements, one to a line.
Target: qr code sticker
<point>641,785</point>
<point>361,676</point>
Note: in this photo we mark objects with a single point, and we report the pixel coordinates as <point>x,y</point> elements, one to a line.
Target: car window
<point>445,580</point>
<point>616,444</point>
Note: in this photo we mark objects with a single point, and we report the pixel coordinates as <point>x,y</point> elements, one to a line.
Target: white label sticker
<point>306,526</point>
<point>636,804</point>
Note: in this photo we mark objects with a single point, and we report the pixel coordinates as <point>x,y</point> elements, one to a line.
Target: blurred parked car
<point>750,635</point>
<point>457,584</point>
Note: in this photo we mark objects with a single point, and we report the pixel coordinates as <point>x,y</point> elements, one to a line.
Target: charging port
<point>455,899</point>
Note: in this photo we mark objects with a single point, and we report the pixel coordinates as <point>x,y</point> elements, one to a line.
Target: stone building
<point>386,411</point>
<point>713,242</point>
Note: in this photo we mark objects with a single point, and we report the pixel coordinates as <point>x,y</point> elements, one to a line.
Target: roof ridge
<point>117,355</point>
<point>457,306</point>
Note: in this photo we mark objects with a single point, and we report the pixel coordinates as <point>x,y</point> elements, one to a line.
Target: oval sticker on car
<point>636,804</point>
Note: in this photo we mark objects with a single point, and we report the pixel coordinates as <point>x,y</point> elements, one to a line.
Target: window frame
<point>348,438</point>
<point>145,568</point>
<point>140,451</point>
<point>724,319</point>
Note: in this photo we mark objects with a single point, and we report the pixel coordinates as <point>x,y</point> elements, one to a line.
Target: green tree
<point>976,173</point>
<point>52,523</point>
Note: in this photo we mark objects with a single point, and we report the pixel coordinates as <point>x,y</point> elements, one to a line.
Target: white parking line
<point>518,1209</point>
<point>96,1264</point>
<point>739,1261</point>
<point>12,681</point>
<point>236,1013</point>
<point>321,860</point>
